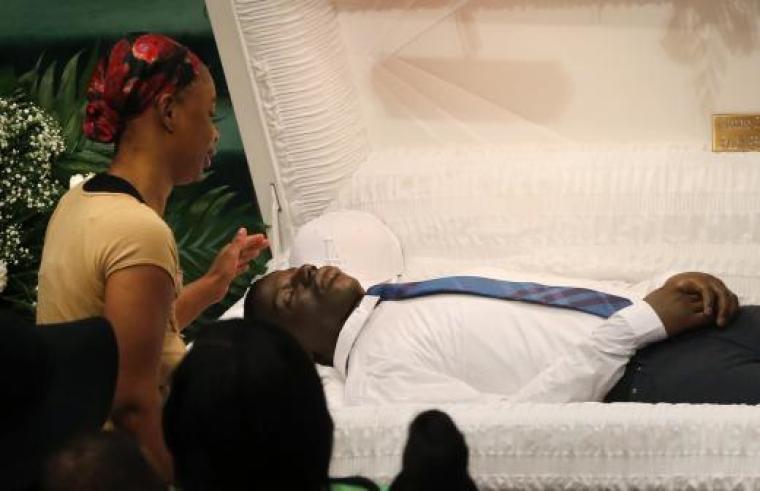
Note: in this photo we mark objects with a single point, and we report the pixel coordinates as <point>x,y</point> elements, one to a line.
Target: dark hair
<point>435,457</point>
<point>249,310</point>
<point>105,461</point>
<point>247,411</point>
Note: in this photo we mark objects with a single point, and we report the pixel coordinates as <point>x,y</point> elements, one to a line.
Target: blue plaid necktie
<point>589,301</point>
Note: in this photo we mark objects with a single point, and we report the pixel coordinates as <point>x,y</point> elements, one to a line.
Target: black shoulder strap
<point>108,183</point>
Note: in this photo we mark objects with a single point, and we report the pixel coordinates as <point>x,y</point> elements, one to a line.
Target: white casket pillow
<point>357,242</point>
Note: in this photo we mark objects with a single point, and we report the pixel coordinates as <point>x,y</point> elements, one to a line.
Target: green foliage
<point>203,218</point>
<point>64,97</point>
<point>8,81</point>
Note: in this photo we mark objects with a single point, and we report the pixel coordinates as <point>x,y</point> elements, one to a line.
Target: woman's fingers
<point>254,244</point>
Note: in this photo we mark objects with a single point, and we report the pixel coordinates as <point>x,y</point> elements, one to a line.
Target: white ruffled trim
<point>308,98</point>
<point>571,446</point>
<point>624,213</point>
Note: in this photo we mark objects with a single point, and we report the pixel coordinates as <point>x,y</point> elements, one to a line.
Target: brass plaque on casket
<point>736,132</point>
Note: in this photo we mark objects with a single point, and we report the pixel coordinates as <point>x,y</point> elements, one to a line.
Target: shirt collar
<point>350,332</point>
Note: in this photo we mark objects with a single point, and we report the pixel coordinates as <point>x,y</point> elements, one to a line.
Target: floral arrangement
<point>30,140</point>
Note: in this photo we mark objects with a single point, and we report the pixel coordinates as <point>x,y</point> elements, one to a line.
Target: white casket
<point>569,137</point>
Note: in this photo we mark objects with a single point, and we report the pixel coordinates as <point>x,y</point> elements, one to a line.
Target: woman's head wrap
<point>133,75</point>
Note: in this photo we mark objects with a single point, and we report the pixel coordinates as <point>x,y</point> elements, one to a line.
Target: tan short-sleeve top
<point>91,235</point>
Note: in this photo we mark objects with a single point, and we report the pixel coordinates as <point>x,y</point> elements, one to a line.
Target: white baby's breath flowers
<point>3,276</point>
<point>30,140</point>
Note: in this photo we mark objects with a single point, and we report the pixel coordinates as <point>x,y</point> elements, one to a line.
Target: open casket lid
<point>318,85</point>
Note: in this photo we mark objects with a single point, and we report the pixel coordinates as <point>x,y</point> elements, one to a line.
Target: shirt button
<point>634,391</point>
<point>638,368</point>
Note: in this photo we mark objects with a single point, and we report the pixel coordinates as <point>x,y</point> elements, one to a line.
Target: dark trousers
<point>709,365</point>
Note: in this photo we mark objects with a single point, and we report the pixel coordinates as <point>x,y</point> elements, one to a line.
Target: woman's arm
<point>138,302</point>
<point>231,261</point>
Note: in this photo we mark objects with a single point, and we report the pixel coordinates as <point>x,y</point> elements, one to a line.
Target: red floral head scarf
<point>133,75</point>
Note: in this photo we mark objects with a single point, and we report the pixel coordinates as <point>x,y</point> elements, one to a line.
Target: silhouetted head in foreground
<point>247,411</point>
<point>106,461</point>
<point>435,457</point>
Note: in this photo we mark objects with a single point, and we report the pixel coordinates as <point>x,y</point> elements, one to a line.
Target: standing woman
<point>107,249</point>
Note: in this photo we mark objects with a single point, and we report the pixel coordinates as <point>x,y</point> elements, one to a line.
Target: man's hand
<point>691,300</point>
<point>232,260</point>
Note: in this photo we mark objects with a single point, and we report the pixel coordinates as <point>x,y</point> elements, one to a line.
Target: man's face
<point>312,304</point>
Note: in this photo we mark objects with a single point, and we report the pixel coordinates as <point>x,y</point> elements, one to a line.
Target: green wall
<point>60,28</point>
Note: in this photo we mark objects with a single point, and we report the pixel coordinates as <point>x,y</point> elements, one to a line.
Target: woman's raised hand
<point>232,260</point>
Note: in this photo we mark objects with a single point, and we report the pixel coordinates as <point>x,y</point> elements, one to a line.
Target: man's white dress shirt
<point>464,348</point>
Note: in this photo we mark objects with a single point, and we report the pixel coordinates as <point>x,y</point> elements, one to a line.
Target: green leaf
<point>31,78</point>
<point>45,95</point>
<point>92,157</point>
<point>66,99</point>
<point>194,264</point>
<point>72,129</point>
<point>199,206</point>
<point>101,148</point>
<point>8,80</point>
<point>212,212</point>
<point>89,67</point>
<point>68,166</point>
